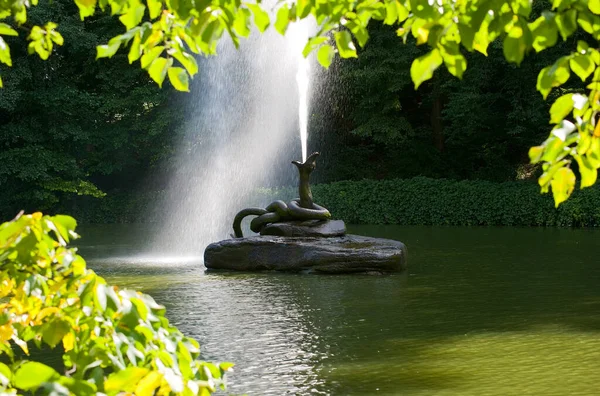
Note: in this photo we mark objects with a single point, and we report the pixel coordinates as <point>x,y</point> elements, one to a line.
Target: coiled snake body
<point>302,208</point>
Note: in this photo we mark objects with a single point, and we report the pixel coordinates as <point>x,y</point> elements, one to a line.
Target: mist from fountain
<point>242,131</point>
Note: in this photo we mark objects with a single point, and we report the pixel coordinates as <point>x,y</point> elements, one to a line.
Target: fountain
<point>300,236</point>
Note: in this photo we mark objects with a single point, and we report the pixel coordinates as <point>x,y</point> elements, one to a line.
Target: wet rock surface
<point>307,228</point>
<point>343,254</point>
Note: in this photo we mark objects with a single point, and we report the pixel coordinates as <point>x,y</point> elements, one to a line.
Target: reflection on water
<point>481,311</point>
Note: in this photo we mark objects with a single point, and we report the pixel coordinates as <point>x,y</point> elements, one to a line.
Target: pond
<point>481,311</point>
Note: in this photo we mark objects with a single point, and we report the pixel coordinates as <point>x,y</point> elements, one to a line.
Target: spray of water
<point>302,78</point>
<point>242,131</point>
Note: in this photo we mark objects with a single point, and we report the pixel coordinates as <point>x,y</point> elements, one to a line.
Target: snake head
<point>310,163</point>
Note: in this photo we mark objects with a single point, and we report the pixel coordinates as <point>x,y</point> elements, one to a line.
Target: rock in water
<point>350,253</point>
<point>307,228</point>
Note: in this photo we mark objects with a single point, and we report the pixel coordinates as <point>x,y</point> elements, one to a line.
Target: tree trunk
<point>436,117</point>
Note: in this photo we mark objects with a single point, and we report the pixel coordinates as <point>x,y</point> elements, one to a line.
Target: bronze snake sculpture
<point>302,208</point>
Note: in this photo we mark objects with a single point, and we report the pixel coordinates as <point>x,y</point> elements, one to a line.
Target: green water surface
<point>481,311</point>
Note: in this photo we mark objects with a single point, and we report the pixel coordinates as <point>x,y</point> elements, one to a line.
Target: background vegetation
<point>73,129</point>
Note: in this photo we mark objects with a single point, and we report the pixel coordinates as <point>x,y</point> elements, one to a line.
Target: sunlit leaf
<point>345,45</point>
<point>106,51</point>
<point>6,30</point>
<point>282,19</point>
<point>187,61</point>
<point>455,62</point>
<point>31,375</point>
<point>125,380</point>
<point>179,78</point>
<point>588,172</point>
<point>154,8</point>
<point>562,184</point>
<point>566,23</point>
<point>151,55</point>
<point>582,65</point>
<point>54,334</point>
<point>148,384</point>
<point>544,32</point>
<point>133,16</point>
<point>422,68</point>
<point>594,6</point>
<point>325,55</point>
<point>561,108</point>
<point>261,17</point>
<point>553,76</point>
<point>5,53</point>
<point>158,69</point>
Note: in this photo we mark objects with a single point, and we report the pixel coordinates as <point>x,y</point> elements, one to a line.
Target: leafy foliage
<point>74,126</point>
<point>114,340</point>
<point>425,201</point>
<point>164,36</point>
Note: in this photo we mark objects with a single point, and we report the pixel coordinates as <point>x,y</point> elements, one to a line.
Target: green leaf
<point>6,30</point>
<point>5,375</point>
<point>125,380</point>
<point>86,8</point>
<point>562,184</point>
<point>344,44</point>
<point>312,44</point>
<point>5,53</point>
<point>106,51</point>
<point>588,22</point>
<point>303,8</point>
<point>31,375</point>
<point>100,296</point>
<point>54,334</point>
<point>187,61</point>
<point>588,172</point>
<point>135,51</point>
<point>154,8</point>
<point>566,23</point>
<point>516,43</point>
<point>241,24</point>
<point>261,17</point>
<point>56,37</point>
<point>395,12</point>
<point>151,55</point>
<point>325,55</point>
<point>594,6</point>
<point>544,32</point>
<point>158,69</point>
<point>422,68</point>
<point>149,383</point>
<point>179,79</point>
<point>133,16</point>
<point>582,65</point>
<point>455,62</point>
<point>582,47</point>
<point>521,7</point>
<point>561,108</point>
<point>423,9</point>
<point>553,76</point>
<point>282,20</point>
<point>535,154</point>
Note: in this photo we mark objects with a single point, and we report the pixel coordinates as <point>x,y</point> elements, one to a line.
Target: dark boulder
<point>350,253</point>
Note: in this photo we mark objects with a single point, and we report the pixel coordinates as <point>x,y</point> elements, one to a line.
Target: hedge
<point>424,201</point>
<point>417,201</point>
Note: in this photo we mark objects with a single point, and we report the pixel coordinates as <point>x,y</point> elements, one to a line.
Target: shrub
<point>424,201</point>
<point>113,340</point>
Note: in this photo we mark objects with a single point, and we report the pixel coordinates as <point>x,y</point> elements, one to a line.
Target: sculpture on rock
<point>302,208</point>
<point>300,237</point>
